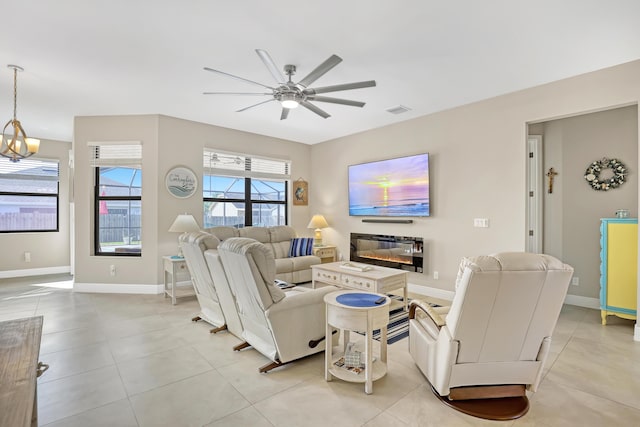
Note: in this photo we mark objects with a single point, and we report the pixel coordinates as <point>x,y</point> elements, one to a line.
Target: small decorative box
<point>352,357</point>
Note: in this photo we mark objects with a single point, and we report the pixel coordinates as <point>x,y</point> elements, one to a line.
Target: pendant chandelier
<point>15,143</point>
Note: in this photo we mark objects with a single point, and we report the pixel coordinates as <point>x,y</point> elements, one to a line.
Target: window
<point>118,199</point>
<point>29,195</point>
<point>241,190</point>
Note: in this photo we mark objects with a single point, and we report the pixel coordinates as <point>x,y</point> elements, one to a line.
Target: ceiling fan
<point>291,94</point>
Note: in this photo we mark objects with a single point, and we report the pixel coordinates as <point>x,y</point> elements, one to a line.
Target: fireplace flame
<point>391,258</point>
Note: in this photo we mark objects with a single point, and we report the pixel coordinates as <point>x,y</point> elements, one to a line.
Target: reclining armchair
<point>482,352</point>
<point>283,326</point>
<point>217,304</point>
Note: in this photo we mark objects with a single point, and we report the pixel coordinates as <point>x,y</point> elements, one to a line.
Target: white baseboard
<point>35,272</point>
<point>448,295</point>
<point>586,302</point>
<point>118,288</point>
<point>431,292</point>
<point>636,335</point>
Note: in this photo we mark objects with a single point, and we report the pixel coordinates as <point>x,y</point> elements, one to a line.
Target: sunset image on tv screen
<point>395,187</point>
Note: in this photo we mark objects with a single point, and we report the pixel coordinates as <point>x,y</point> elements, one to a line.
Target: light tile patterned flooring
<point>136,360</point>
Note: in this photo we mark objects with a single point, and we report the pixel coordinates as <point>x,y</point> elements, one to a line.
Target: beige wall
<point>49,251</point>
<point>573,211</point>
<point>166,142</point>
<point>477,155</point>
<point>129,270</point>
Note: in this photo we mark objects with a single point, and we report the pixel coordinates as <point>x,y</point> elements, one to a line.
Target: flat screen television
<point>394,187</point>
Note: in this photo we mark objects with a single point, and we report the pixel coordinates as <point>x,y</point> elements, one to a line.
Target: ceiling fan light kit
<point>289,100</point>
<point>291,94</point>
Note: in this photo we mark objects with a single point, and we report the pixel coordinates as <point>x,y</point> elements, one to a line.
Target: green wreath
<point>592,174</point>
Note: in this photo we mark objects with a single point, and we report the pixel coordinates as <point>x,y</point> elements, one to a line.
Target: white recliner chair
<point>283,326</point>
<point>481,353</point>
<point>217,304</point>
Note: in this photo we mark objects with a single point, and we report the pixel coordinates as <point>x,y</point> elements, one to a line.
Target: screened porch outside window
<point>117,198</point>
<point>241,190</point>
<point>119,210</point>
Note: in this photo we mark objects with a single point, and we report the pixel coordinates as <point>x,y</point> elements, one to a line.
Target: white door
<point>535,187</point>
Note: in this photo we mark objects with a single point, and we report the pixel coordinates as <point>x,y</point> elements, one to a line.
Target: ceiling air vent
<point>398,109</point>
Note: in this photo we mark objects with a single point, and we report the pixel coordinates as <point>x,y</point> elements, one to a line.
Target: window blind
<point>244,165</point>
<point>30,169</point>
<point>113,154</point>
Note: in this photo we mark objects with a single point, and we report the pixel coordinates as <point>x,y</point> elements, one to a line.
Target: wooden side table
<point>356,311</point>
<point>177,279</point>
<point>326,253</point>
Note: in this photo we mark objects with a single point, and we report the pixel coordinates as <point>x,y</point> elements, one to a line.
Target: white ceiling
<point>91,57</point>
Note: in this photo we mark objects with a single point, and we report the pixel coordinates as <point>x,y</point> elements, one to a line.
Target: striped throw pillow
<point>301,246</point>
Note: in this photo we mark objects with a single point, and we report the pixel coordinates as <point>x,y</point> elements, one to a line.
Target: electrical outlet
<point>435,275</point>
<point>481,222</point>
<point>112,270</point>
<point>575,281</point>
<point>27,257</point>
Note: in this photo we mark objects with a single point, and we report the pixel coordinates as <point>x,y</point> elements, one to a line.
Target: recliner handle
<point>314,343</point>
<point>429,311</point>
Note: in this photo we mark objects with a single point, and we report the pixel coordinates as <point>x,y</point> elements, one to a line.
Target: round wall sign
<point>181,182</point>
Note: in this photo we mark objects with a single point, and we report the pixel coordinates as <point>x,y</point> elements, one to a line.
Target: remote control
<point>380,300</point>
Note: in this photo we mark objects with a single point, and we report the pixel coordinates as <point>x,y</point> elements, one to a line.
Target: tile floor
<point>136,360</point>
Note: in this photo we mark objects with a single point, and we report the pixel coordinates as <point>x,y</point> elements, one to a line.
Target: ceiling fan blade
<point>336,100</point>
<point>336,88</point>
<point>242,79</point>
<point>254,105</point>
<point>285,113</point>
<point>235,93</point>
<point>320,70</point>
<point>315,109</point>
<point>271,66</point>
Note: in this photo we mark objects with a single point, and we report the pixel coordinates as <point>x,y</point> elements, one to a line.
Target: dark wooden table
<point>19,369</point>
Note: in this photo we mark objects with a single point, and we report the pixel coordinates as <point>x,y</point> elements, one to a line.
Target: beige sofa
<point>278,240</point>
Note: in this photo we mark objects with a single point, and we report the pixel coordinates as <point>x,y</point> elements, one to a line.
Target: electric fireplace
<point>405,253</point>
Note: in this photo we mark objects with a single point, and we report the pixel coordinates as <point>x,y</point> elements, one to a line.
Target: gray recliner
<point>482,352</point>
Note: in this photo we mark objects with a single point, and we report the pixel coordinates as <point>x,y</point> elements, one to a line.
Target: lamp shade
<point>33,145</point>
<point>318,221</point>
<point>184,223</point>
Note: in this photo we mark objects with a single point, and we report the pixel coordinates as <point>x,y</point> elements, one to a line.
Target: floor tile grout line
<point>64,377</point>
<point>92,409</point>
<point>599,396</point>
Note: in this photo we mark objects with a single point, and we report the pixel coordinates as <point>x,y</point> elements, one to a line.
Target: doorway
<point>569,224</point>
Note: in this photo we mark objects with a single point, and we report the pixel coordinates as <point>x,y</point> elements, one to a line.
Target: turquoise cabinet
<point>618,267</point>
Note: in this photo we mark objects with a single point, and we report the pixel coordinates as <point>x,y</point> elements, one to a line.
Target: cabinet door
<point>622,260</point>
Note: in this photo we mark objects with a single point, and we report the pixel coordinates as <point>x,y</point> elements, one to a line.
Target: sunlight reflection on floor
<point>64,284</point>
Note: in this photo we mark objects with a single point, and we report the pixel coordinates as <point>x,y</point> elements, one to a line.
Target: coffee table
<point>379,279</point>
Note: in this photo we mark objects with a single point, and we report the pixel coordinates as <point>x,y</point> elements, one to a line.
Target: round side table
<point>357,311</point>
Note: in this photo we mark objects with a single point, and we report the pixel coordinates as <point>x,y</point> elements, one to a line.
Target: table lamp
<point>183,223</point>
<point>318,222</point>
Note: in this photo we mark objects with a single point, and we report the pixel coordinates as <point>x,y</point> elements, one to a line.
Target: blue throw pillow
<point>301,246</point>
